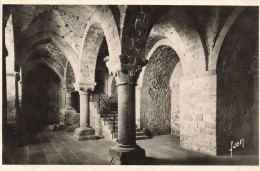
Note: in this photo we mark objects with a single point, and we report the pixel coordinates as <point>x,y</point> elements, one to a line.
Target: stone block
<point>85,133</point>
<point>125,156</point>
<point>210,137</point>
<point>207,118</point>
<point>187,117</point>
<point>211,125</point>
<point>184,124</point>
<point>199,117</point>
<point>201,124</point>
<point>193,124</point>
<point>213,117</point>
<point>208,131</point>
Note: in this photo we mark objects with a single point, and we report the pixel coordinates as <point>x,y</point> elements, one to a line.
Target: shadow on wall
<point>237,87</point>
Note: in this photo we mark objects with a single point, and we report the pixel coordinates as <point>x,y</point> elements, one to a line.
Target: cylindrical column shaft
<point>84,132</point>
<point>126,115</point>
<point>84,109</point>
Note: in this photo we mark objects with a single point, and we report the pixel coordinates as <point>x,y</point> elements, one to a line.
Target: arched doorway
<point>156,93</point>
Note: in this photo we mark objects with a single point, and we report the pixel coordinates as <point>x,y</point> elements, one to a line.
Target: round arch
<point>155,90</point>
<point>213,58</point>
<point>104,21</point>
<point>178,48</point>
<point>49,37</point>
<point>49,62</point>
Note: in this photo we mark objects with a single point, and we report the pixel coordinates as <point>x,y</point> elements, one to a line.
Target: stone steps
<point>111,112</point>
<point>108,129</point>
<point>138,134</point>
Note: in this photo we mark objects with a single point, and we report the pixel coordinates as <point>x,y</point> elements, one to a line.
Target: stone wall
<point>175,99</point>
<point>11,111</point>
<point>237,71</point>
<point>198,113</point>
<point>70,77</point>
<point>155,109</point>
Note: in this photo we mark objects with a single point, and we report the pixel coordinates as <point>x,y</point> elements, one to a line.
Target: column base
<point>120,155</point>
<point>85,133</point>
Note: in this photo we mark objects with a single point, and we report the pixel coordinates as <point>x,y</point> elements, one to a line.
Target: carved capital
<point>128,74</point>
<point>85,88</point>
<point>112,65</point>
<point>125,72</point>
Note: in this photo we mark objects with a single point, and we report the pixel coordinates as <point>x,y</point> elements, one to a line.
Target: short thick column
<point>84,132</point>
<point>126,151</point>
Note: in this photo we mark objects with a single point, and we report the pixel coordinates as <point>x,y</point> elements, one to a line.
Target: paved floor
<point>61,148</point>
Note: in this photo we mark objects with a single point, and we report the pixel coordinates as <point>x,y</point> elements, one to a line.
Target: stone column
<point>126,151</point>
<point>84,132</point>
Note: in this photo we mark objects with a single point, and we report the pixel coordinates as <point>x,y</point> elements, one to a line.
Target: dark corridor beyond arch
<point>41,92</point>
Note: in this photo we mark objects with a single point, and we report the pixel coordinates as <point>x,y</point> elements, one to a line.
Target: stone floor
<point>61,148</point>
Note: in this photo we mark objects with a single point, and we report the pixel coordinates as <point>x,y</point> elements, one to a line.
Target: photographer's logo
<point>237,144</point>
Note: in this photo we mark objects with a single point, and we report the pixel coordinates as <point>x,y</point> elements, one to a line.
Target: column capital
<point>125,72</point>
<point>128,74</point>
<point>85,88</point>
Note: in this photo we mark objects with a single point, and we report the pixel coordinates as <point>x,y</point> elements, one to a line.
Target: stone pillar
<point>126,151</point>
<point>84,132</point>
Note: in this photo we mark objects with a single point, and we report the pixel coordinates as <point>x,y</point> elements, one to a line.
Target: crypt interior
<point>130,84</point>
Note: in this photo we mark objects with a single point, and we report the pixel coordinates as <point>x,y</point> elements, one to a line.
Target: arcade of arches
<point>129,72</point>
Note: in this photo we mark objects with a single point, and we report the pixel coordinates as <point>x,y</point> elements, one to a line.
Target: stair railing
<point>104,108</point>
